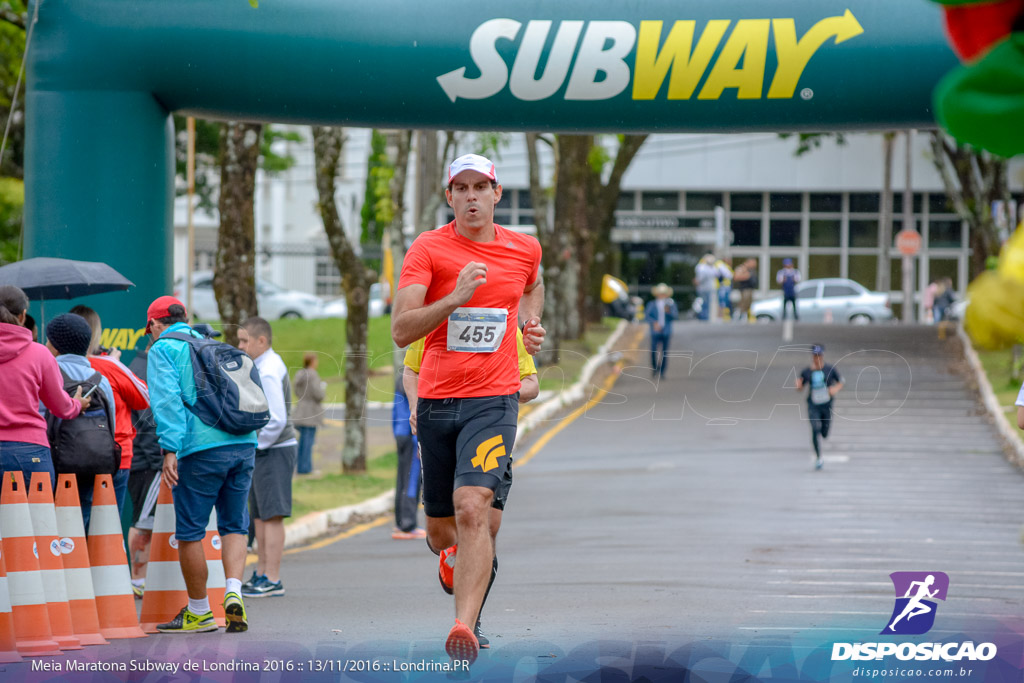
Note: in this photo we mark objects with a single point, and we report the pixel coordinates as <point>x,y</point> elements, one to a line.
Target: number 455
<point>477,334</point>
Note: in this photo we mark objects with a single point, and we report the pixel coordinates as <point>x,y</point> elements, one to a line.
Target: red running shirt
<point>435,260</point>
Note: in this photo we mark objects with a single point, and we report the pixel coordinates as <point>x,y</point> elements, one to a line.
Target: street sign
<point>908,242</point>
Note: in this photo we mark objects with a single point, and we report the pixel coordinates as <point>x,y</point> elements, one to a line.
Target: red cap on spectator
<point>160,309</point>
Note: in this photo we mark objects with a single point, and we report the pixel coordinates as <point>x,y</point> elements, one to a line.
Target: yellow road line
<point>567,420</point>
<point>533,450</point>
<point>251,558</point>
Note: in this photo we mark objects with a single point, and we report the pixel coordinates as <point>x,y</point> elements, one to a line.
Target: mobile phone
<point>89,393</point>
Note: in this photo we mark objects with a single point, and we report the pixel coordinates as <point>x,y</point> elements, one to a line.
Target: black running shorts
<point>465,442</point>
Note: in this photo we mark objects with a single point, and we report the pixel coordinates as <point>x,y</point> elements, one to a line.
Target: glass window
<point>944,234</point>
<point>505,202</point>
<point>659,201</point>
<point>836,290</point>
<point>703,201</point>
<point>864,202</point>
<point>826,203</point>
<point>825,232</point>
<point>627,202</point>
<point>937,203</point>
<point>788,201</point>
<point>864,269</point>
<point>863,233</point>
<point>524,199</point>
<point>808,290</point>
<point>944,267</point>
<point>503,217</point>
<point>897,202</point>
<point>824,265</point>
<point>745,201</point>
<point>784,232</point>
<point>746,232</point>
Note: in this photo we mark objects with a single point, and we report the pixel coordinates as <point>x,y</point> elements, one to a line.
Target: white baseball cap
<point>472,162</point>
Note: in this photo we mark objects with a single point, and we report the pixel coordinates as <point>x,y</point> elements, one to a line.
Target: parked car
<point>845,300</point>
<point>338,308</point>
<point>273,301</point>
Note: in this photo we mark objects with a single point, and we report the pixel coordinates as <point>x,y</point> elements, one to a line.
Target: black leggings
<point>821,420</point>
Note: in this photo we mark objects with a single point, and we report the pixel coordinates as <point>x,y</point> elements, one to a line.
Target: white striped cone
<point>75,553</point>
<point>51,565</point>
<point>24,580</point>
<point>165,586</point>
<point>115,602</point>
<point>216,582</point>
<point>8,641</point>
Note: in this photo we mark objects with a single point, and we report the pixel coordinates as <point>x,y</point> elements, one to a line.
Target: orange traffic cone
<point>111,579</point>
<point>77,572</point>
<point>8,642</point>
<point>165,586</point>
<point>25,581</point>
<point>55,588</point>
<point>216,582</point>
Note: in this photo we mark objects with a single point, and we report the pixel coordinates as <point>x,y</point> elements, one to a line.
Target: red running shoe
<point>461,643</point>
<point>446,569</point>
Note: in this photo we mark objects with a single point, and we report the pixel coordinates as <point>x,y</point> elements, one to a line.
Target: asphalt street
<point>686,510</point>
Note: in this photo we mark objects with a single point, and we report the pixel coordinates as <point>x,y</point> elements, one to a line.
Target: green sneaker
<point>234,612</point>
<point>188,622</point>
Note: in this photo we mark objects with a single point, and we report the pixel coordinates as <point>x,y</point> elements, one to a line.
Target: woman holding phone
<point>30,375</point>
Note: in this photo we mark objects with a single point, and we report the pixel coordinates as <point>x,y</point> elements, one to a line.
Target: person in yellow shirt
<point>528,391</point>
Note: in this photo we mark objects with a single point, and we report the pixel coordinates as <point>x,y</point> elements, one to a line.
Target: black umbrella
<point>45,278</point>
<point>57,278</point>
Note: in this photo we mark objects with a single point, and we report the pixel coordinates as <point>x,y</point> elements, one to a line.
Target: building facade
<point>822,209</point>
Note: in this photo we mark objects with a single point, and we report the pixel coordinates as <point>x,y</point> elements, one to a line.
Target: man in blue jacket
<point>660,313</point>
<point>205,466</point>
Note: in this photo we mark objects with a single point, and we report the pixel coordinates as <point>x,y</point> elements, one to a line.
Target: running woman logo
<point>914,612</point>
<point>488,452</point>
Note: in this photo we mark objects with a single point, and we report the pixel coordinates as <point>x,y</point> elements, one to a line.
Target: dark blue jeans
<point>19,456</point>
<point>307,437</point>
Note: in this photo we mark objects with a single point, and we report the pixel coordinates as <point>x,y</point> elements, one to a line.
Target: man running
<point>916,607</point>
<point>825,382</point>
<point>464,287</point>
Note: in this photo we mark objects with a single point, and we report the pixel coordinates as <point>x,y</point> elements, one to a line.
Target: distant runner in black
<point>825,382</point>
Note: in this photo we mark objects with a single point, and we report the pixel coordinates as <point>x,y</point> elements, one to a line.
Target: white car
<point>338,308</point>
<point>274,302</point>
<point>841,299</point>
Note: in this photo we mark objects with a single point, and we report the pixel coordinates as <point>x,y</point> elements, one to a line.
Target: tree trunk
<point>234,279</point>
<point>572,232</point>
<point>355,282</point>
<point>549,247</point>
<point>603,203</point>
<point>973,179</point>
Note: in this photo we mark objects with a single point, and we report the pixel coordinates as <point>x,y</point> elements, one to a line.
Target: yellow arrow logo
<point>794,55</point>
<point>488,452</point>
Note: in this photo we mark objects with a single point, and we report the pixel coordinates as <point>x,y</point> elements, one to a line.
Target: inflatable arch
<point>105,75</point>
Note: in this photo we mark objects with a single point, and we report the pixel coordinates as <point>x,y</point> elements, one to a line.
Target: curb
<point>316,524</point>
<point>988,397</point>
<point>575,393</point>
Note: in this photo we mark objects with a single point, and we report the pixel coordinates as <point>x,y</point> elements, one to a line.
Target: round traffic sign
<point>908,242</point>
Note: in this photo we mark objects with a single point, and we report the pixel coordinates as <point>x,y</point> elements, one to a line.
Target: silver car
<point>838,299</point>
<point>274,302</point>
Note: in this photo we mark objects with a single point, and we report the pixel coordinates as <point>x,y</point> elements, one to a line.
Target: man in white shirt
<point>270,499</point>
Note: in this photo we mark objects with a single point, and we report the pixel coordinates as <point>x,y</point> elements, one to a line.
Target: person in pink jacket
<point>30,374</point>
